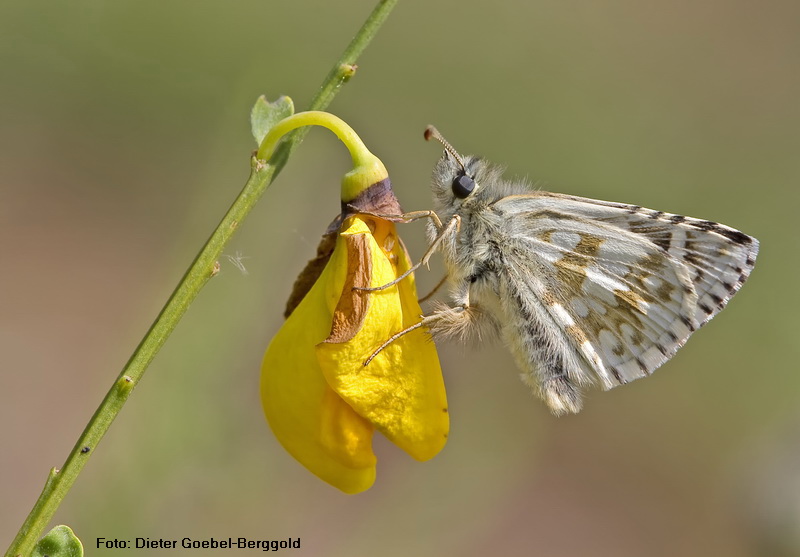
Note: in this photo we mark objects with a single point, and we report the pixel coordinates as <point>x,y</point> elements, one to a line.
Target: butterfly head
<point>457,179</point>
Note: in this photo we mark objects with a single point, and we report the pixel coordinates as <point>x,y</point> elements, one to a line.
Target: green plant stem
<point>202,269</point>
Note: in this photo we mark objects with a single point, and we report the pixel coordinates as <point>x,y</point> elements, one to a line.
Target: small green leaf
<point>59,542</point>
<point>266,114</point>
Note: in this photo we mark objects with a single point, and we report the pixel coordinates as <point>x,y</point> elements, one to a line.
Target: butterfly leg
<point>447,315</point>
<point>434,291</point>
<point>416,215</point>
<point>460,321</point>
<point>426,320</point>
<point>441,320</point>
<point>404,217</point>
<point>451,227</point>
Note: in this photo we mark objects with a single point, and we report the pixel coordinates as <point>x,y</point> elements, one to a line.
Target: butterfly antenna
<point>432,132</point>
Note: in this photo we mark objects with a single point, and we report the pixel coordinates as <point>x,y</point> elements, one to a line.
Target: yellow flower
<point>320,400</point>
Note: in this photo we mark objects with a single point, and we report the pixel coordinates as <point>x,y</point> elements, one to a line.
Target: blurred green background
<point>124,136</point>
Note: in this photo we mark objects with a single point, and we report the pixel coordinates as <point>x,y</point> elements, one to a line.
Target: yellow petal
<point>401,392</point>
<point>309,419</point>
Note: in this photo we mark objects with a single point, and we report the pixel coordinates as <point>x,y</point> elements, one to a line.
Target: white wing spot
<point>563,316</point>
<point>580,308</point>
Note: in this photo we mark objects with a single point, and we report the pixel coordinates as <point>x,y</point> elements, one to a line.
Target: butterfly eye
<point>463,185</point>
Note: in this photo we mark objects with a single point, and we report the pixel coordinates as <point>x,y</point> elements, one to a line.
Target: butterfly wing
<point>615,288</point>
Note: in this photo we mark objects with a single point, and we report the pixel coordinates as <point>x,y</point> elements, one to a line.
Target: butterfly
<point>583,292</point>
